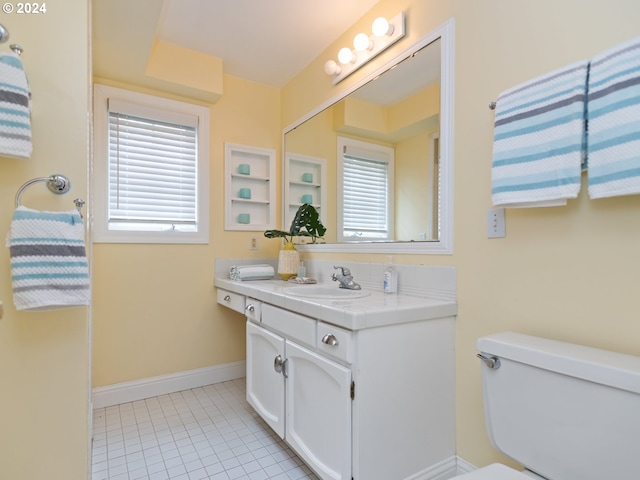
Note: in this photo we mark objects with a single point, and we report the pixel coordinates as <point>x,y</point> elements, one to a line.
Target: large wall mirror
<point>406,105</point>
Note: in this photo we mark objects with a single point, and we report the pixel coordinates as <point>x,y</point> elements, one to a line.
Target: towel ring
<point>57,184</point>
<point>4,34</point>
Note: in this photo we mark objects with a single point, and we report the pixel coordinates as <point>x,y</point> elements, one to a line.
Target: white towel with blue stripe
<point>539,140</point>
<point>49,268</point>
<point>613,141</point>
<point>251,272</point>
<point>15,108</point>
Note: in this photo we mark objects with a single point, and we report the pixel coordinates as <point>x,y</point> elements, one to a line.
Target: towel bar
<point>57,184</point>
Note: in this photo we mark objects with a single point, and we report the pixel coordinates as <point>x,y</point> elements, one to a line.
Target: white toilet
<point>563,411</point>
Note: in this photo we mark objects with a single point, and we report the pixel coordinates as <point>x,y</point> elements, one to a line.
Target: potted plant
<point>306,223</point>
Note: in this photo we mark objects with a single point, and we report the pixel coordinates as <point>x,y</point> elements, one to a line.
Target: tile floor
<point>207,433</point>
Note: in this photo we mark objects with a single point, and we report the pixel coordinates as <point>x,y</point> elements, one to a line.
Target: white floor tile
<point>207,433</point>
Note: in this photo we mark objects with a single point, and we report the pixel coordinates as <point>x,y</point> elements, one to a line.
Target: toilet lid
<point>495,471</point>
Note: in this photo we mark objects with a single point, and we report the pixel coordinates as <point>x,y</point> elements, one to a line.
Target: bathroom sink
<point>324,292</point>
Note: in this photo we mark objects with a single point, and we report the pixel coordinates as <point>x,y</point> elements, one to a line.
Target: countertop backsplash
<point>417,280</point>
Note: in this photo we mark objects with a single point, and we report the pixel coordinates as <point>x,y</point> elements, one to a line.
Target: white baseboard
<point>161,385</point>
<point>464,466</point>
<point>440,471</point>
<point>445,470</point>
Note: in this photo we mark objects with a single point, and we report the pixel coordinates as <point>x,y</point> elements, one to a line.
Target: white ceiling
<point>265,41</point>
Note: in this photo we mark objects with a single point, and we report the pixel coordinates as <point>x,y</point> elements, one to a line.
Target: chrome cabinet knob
<point>279,365</point>
<point>227,298</point>
<point>330,339</point>
<point>250,308</point>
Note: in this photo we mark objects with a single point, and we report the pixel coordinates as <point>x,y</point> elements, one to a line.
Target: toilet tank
<point>564,411</point>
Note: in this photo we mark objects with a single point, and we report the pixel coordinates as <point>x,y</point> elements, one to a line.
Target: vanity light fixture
<point>381,26</point>
<point>347,56</point>
<point>362,43</point>
<point>385,33</point>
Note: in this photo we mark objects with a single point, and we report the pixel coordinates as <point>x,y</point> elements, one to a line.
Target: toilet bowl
<point>563,411</point>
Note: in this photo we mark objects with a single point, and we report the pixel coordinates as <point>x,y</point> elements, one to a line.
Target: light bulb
<point>381,27</point>
<point>345,55</point>
<point>332,68</point>
<point>362,42</point>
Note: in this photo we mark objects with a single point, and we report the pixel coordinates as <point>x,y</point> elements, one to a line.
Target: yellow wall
<point>44,356</point>
<point>318,139</point>
<point>569,273</point>
<point>176,64</point>
<point>412,179</point>
<point>155,310</point>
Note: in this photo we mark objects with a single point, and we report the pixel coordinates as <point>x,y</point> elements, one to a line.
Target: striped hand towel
<point>49,267</point>
<point>15,108</point>
<point>539,140</point>
<point>251,272</point>
<point>614,121</point>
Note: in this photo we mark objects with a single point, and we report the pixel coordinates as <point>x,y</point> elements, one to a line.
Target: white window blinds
<point>367,193</point>
<point>153,159</point>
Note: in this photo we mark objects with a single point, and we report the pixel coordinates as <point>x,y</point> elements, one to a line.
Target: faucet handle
<point>345,270</point>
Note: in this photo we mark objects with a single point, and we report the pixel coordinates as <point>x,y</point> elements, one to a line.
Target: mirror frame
<point>444,245</point>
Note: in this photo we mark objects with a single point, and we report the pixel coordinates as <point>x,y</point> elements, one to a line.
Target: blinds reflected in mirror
<point>366,172</point>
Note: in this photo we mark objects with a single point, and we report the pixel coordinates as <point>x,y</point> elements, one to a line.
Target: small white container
<point>302,270</point>
<point>390,278</point>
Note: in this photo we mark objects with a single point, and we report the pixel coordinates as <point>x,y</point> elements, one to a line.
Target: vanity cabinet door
<point>318,425</point>
<point>265,385</point>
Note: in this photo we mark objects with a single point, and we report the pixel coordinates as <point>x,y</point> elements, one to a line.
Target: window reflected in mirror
<point>374,196</point>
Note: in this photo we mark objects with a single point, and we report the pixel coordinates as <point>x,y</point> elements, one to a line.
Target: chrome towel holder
<point>57,184</point>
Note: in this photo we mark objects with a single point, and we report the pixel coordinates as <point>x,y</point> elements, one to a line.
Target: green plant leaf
<point>306,223</point>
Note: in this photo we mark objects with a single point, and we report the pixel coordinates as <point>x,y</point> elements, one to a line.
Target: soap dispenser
<point>390,283</point>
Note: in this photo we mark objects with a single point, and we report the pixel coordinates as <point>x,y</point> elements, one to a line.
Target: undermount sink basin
<point>320,291</point>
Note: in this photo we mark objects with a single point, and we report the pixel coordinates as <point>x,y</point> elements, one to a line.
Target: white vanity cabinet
<point>265,385</point>
<point>369,404</point>
<point>304,396</point>
<point>360,388</point>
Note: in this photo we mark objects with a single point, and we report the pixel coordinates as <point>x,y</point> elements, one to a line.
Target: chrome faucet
<point>346,280</point>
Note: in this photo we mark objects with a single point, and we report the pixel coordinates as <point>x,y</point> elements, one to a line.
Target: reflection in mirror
<point>405,109</point>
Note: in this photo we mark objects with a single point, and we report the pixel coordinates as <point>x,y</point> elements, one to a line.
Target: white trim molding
<point>463,466</point>
<point>444,245</point>
<point>161,385</point>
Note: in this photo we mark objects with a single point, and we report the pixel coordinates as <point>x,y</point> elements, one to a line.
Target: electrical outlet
<point>496,223</point>
<point>253,243</point>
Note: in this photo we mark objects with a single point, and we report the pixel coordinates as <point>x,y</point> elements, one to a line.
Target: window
<point>151,169</point>
<point>365,190</point>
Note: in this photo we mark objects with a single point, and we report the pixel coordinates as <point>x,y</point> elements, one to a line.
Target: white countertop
<point>374,310</point>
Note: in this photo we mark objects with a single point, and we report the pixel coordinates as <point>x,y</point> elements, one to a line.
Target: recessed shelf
<point>249,197</point>
<point>240,176</point>
<point>305,184</point>
<point>304,176</point>
<point>249,200</point>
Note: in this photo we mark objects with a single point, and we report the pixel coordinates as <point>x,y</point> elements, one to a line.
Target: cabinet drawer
<point>253,310</point>
<point>291,325</point>
<point>335,341</point>
<point>231,300</point>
